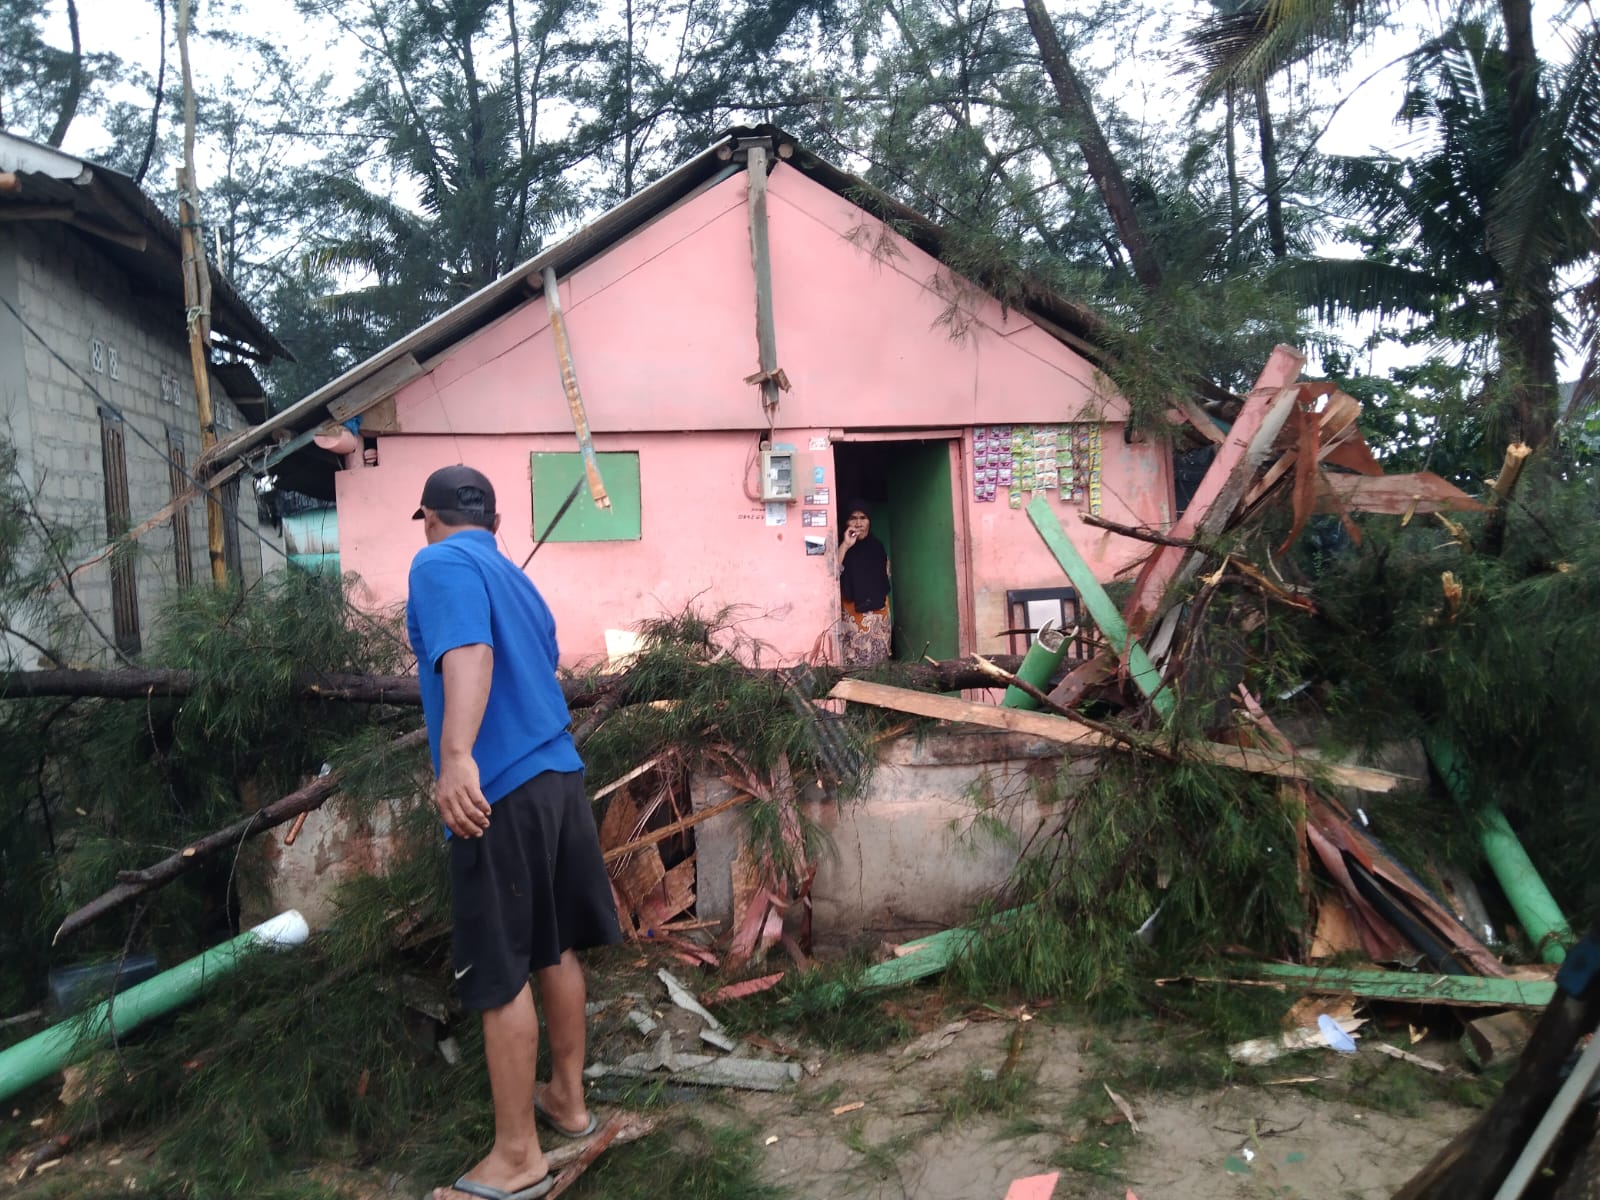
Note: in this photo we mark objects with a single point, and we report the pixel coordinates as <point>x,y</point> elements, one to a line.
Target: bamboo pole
<point>197,296</point>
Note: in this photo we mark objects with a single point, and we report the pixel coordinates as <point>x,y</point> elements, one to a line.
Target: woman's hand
<point>851,537</point>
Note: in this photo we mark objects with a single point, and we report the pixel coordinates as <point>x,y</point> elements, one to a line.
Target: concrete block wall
<point>75,297</point>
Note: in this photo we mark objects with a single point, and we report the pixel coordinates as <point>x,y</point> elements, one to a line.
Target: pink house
<point>756,299</point>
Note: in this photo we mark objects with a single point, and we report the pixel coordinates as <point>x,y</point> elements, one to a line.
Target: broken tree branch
<point>132,884</point>
<point>1132,741</point>
<point>1139,533</point>
<point>141,683</point>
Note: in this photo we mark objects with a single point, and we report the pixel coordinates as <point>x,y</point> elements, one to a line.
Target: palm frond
<point>1341,287</point>
<point>1539,218</point>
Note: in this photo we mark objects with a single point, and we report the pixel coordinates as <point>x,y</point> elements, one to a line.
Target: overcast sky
<point>1370,85</point>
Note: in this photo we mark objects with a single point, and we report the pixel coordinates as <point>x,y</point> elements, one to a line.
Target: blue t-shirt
<point>464,592</point>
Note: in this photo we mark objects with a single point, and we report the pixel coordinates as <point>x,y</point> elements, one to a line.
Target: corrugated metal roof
<point>127,227</point>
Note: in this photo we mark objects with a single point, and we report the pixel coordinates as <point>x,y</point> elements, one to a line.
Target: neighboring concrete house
<point>94,270</point>
<point>724,311</point>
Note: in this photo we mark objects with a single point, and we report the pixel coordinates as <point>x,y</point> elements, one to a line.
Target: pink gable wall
<point>663,330</point>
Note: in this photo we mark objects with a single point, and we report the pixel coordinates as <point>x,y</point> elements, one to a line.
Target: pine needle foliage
<point>722,712</point>
<point>100,786</point>
<point>1507,679</point>
<point>328,1053</point>
<point>1211,849</point>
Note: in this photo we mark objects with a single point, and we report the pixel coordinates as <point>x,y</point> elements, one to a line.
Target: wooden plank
<point>1099,604</point>
<point>381,418</point>
<point>1238,458</point>
<point>761,261</point>
<point>569,384</point>
<point>1403,986</point>
<point>677,827</point>
<point>1067,732</point>
<point>1395,495</point>
<point>376,387</point>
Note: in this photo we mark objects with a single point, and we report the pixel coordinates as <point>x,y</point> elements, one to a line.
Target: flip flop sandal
<point>482,1190</point>
<point>544,1118</point>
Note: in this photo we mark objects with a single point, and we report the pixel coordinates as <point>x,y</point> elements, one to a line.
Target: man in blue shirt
<point>528,885</point>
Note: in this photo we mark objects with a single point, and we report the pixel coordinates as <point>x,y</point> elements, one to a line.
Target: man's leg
<point>511,1046</point>
<point>562,994</point>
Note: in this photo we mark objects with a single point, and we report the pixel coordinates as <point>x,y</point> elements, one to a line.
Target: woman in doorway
<point>864,629</point>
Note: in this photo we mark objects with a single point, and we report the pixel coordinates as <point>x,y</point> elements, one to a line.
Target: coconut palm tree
<point>1485,240</point>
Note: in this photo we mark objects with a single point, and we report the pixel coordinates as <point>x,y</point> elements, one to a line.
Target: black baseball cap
<point>443,491</point>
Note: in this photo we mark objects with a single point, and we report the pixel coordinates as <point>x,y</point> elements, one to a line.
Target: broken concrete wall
<point>335,845</point>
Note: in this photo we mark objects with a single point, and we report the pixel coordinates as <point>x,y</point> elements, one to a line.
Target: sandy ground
<point>922,1123</point>
<point>1193,1147</point>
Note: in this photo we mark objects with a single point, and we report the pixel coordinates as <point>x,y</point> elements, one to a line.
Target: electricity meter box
<point>777,475</point>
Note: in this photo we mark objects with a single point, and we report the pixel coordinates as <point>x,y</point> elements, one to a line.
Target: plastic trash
<point>1336,1037</point>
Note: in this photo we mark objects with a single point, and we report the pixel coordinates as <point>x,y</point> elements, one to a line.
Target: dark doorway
<point>907,486</point>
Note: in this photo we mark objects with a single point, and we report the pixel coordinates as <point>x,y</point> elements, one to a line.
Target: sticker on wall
<point>819,496</point>
<point>819,475</point>
<point>817,518</point>
<point>783,447</point>
<point>777,512</point>
<point>816,544</point>
<point>819,443</point>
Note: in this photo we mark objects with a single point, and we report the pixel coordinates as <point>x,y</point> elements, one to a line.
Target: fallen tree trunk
<point>132,884</point>
<point>600,694</point>
<point>146,682</point>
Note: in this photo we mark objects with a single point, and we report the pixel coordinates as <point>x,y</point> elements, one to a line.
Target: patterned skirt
<point>864,636</point>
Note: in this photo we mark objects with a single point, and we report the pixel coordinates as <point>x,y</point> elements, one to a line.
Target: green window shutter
<point>553,477</point>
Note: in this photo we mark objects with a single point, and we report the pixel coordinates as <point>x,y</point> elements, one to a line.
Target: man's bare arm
<point>467,672</point>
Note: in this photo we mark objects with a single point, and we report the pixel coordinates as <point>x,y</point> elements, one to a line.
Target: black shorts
<point>533,886</point>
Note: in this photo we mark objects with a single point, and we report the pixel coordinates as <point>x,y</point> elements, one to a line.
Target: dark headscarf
<point>864,578</point>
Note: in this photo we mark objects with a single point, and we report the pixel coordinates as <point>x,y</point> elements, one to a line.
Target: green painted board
<point>929,955</point>
<point>1470,990</point>
<point>1099,604</point>
<point>553,477</point>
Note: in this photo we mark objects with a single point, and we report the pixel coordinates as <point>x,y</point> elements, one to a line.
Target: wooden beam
<point>1238,458</point>
<point>67,215</point>
<point>376,387</point>
<point>761,260</point>
<point>381,418</point>
<point>1100,606</point>
<point>1069,733</point>
<point>569,384</point>
<point>677,827</point>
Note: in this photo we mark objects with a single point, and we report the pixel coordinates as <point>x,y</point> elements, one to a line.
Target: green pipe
<point>1043,657</point>
<point>26,1063</point>
<point>1541,917</point>
<point>1100,607</point>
